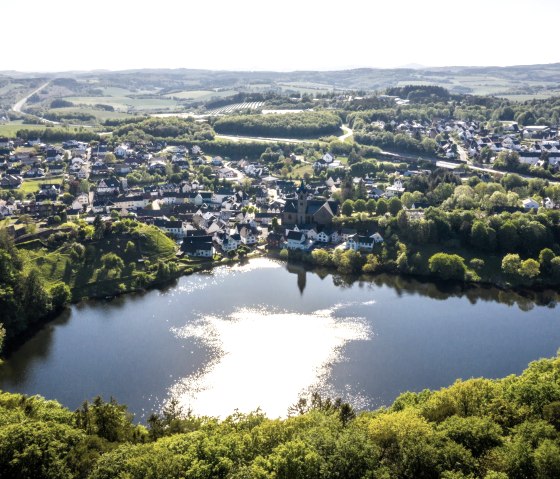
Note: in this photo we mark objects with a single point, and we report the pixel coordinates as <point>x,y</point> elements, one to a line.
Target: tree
<point>529,268</point>
<point>511,264</point>
<point>395,205</point>
<point>447,266</point>
<point>382,207</point>
<point>371,206</point>
<point>545,259</point>
<point>359,205</point>
<point>347,208</point>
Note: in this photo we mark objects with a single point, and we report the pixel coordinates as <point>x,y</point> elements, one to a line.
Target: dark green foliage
<point>290,125</point>
<point>164,129</point>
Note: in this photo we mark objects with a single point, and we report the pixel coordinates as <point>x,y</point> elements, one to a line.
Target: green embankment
<point>87,276</point>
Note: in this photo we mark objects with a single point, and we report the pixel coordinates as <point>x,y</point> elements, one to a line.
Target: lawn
<point>32,186</point>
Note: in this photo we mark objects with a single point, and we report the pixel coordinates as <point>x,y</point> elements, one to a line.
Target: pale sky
<point>61,35</point>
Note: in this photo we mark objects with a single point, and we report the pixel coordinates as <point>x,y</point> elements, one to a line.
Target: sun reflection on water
<point>266,359</point>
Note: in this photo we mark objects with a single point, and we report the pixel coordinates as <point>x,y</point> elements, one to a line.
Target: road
<point>19,105</point>
<point>347,133</point>
<point>240,176</point>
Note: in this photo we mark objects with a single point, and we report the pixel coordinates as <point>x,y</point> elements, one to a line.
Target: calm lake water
<point>262,334</point>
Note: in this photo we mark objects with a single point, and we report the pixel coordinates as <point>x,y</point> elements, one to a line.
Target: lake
<point>261,334</point>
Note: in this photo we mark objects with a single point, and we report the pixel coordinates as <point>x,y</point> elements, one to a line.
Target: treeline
<point>163,129</point>
<point>53,134</point>
<point>290,125</point>
<point>420,93</point>
<point>479,428</point>
<point>69,115</point>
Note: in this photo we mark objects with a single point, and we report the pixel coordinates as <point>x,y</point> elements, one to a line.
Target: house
<point>199,246</point>
<point>296,240</point>
<point>131,201</point>
<point>123,150</point>
<point>323,237</point>
<point>363,242</point>
<point>108,186</point>
<point>248,233</point>
<point>231,242</point>
<point>396,190</point>
<point>530,204</point>
<point>11,181</point>
<point>274,240</point>
<point>175,228</point>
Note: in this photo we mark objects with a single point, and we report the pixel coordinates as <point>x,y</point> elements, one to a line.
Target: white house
<point>396,190</point>
<point>530,204</point>
<point>295,240</point>
<point>323,237</point>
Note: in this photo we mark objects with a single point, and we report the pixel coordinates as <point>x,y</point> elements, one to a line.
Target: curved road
<point>19,105</point>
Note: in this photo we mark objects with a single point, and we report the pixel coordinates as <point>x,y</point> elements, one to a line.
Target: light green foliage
<point>529,268</point>
<point>511,264</point>
<point>448,266</point>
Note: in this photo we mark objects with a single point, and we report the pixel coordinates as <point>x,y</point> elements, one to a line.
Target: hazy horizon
<point>59,36</point>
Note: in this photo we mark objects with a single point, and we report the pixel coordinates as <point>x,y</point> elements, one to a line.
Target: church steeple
<point>302,203</point>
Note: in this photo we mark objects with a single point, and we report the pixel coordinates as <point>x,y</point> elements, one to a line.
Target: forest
<point>290,125</point>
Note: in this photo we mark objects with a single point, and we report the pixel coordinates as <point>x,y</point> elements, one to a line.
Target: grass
<point>32,186</point>
<point>84,278</point>
<point>301,170</point>
<point>100,114</point>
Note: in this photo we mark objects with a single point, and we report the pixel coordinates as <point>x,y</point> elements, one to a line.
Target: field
<point>100,115</point>
<point>127,104</point>
<point>254,105</point>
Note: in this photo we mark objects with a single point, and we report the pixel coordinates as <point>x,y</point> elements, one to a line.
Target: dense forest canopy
<point>306,124</point>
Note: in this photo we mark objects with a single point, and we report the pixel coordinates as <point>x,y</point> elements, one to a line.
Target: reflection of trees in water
<point>524,300</point>
<point>37,348</point>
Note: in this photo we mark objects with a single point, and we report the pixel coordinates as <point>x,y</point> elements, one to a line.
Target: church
<point>305,211</point>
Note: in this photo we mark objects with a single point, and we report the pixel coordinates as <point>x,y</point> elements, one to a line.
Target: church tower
<point>302,204</point>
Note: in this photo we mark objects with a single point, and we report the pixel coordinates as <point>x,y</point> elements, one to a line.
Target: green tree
<point>395,205</point>
<point>359,205</point>
<point>511,264</point>
<point>447,266</point>
<point>382,207</point>
<point>371,206</point>
<point>347,208</point>
<point>529,268</point>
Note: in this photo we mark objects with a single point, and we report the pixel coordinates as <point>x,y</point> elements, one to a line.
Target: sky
<point>287,35</point>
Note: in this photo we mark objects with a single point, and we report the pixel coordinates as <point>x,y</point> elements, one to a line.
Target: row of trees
<point>479,428</point>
